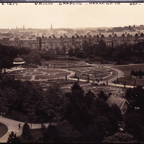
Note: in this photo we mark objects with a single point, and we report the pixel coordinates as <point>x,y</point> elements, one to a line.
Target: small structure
<point>122,103</point>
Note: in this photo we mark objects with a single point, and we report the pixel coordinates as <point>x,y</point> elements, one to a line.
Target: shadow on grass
<point>3,130</point>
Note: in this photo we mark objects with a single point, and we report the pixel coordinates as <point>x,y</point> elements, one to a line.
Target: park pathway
<point>13,126</point>
<point>110,81</point>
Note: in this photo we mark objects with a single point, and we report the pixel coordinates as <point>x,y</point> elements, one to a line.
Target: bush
<point>13,138</point>
<point>119,138</point>
<point>103,84</point>
<point>97,58</point>
<point>26,131</point>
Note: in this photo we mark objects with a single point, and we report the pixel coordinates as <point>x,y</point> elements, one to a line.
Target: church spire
<point>51,27</point>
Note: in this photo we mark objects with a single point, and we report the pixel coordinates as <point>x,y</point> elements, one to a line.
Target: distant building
<point>76,41</point>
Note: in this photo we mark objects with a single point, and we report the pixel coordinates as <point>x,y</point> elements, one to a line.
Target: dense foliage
<point>8,53</point>
<point>83,118</point>
<point>100,52</point>
<point>13,138</point>
<point>137,73</point>
<point>80,117</point>
<point>134,119</point>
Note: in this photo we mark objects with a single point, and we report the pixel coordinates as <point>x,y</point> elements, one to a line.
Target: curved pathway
<point>13,126</point>
<point>110,80</point>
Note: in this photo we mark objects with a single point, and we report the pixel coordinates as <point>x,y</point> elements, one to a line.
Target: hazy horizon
<point>70,16</point>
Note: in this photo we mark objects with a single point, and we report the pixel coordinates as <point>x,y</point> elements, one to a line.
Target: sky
<point>70,16</point>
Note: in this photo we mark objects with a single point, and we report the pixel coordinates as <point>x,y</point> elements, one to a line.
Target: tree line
<point>137,73</point>
<point>119,54</point>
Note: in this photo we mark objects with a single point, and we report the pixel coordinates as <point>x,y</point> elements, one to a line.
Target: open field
<point>127,77</point>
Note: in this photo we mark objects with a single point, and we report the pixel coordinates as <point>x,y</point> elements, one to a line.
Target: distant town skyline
<point>30,15</point>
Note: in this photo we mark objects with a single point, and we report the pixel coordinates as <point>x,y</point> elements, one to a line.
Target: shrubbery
<point>26,133</point>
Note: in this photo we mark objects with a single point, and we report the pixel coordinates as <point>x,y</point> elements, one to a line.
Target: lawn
<point>127,77</point>
<point>92,71</point>
<point>33,73</point>
<point>21,77</point>
<point>50,70</point>
<point>51,75</point>
<point>26,77</point>
<point>3,129</point>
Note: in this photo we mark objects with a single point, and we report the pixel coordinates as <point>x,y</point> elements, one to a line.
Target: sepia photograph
<point>72,73</point>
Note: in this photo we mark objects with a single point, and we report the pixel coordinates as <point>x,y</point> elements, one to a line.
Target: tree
<point>102,36</point>
<point>13,138</point>
<point>102,95</point>
<point>3,104</point>
<point>51,134</point>
<point>132,73</point>
<point>57,50</point>
<point>64,49</point>
<point>97,130</point>
<point>35,57</point>
<point>77,92</point>
<point>71,52</point>
<point>31,116</point>
<point>116,112</point>
<point>133,124</point>
<point>12,98</point>
<point>136,35</point>
<point>89,98</point>
<point>110,35</point>
<point>27,59</point>
<point>85,46</point>
<point>5,62</point>
<point>26,133</point>
<point>52,101</point>
<point>81,54</point>
<point>123,35</point>
<point>141,34</point>
<point>67,132</point>
<point>128,35</point>
<point>119,138</point>
<point>115,35</point>
<point>102,43</point>
<point>140,73</point>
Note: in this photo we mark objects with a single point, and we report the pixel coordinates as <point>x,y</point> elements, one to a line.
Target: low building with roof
<point>122,103</point>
